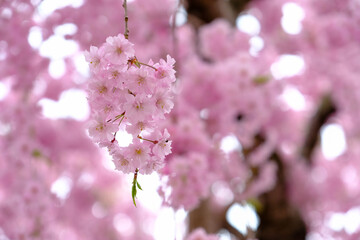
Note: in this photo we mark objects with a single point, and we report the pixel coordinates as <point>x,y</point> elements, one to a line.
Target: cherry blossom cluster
<point>130,96</point>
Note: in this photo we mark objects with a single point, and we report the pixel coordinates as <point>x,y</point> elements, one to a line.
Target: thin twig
<point>148,65</point>
<point>126,34</point>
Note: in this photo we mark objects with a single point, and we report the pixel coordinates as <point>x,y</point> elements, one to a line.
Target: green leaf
<point>137,64</point>
<point>133,192</point>
<point>138,185</point>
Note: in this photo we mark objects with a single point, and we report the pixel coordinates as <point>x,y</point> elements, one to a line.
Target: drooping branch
<point>325,110</point>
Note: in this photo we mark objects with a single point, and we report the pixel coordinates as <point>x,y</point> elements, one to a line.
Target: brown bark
<point>211,219</point>
<point>201,12</point>
<point>279,220</point>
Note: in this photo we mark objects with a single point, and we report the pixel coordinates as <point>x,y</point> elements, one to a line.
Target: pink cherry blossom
<point>163,145</point>
<point>139,107</point>
<point>136,128</point>
<point>95,58</point>
<point>139,152</point>
<point>102,130</point>
<point>123,163</point>
<point>140,80</point>
<point>118,50</point>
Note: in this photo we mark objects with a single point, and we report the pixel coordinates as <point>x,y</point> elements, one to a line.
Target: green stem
<point>135,185</point>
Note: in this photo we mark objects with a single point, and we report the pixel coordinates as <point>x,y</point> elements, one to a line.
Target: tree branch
<point>322,114</point>
<point>279,219</point>
<point>233,231</point>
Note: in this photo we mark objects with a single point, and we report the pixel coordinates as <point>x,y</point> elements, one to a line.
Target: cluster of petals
<point>127,95</point>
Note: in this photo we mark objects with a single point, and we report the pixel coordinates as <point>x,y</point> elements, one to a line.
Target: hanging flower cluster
<point>127,95</point>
